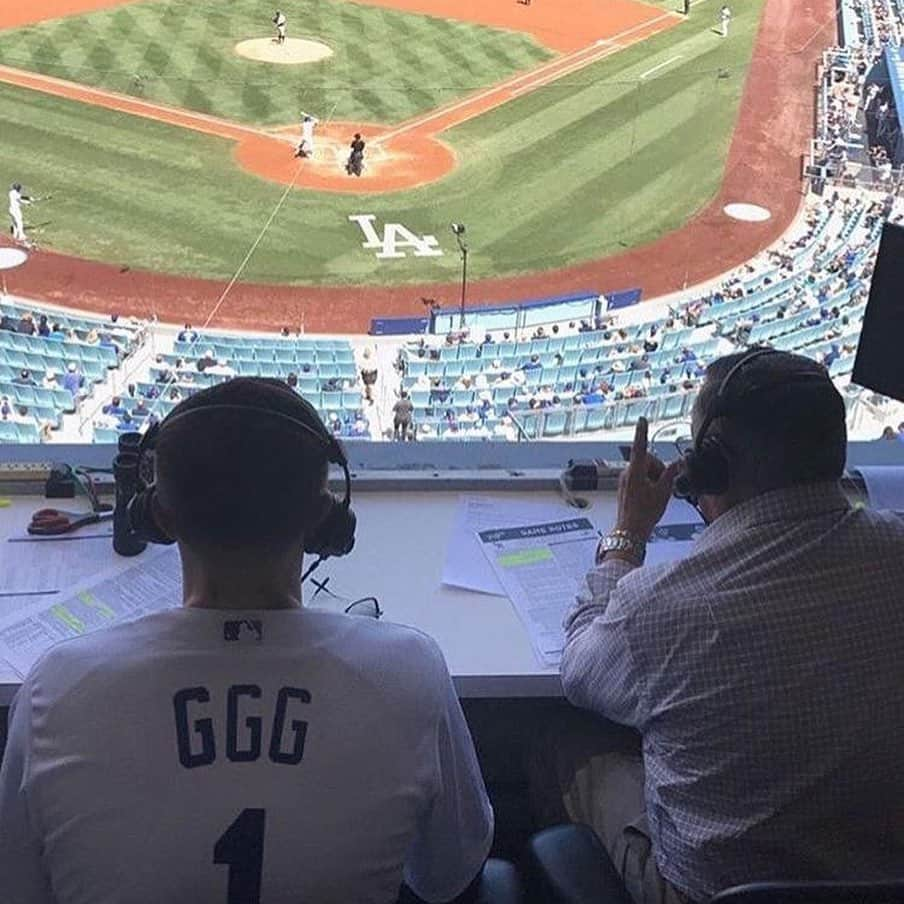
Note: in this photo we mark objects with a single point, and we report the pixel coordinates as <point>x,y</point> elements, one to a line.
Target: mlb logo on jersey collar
<point>243,630</point>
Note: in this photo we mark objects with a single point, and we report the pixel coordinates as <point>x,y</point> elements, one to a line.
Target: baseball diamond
<point>569,141</point>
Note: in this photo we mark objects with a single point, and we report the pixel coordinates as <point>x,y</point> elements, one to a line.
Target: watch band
<point>620,540</point>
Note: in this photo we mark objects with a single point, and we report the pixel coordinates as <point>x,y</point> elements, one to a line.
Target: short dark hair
<point>238,479</point>
<point>789,431</point>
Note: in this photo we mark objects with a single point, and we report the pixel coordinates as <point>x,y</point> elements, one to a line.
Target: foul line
<point>568,62</point>
<point>660,66</point>
<point>126,103</point>
<point>467,107</point>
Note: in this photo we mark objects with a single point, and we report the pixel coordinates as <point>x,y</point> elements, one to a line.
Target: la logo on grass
<point>395,236</point>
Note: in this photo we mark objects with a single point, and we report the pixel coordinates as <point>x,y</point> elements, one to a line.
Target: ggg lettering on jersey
<point>200,734</point>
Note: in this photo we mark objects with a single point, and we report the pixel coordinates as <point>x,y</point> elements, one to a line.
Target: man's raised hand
<point>644,488</point>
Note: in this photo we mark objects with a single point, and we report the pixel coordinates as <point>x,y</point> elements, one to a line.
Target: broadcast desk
<point>399,554</point>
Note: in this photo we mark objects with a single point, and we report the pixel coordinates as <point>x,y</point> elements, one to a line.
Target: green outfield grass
<point>578,170</point>
<point>387,65</point>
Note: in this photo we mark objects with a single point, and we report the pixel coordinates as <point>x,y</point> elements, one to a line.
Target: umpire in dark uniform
<point>355,163</point>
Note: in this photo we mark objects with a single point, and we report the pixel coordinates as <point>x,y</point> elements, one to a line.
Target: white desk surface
<point>398,558</point>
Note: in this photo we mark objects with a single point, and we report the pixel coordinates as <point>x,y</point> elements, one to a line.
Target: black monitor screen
<point>878,362</point>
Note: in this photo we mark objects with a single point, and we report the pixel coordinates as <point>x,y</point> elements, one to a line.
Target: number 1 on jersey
<point>241,847</point>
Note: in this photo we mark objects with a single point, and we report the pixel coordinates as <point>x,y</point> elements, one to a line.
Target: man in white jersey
<point>724,20</point>
<point>241,748</point>
<point>16,200</point>
<point>306,145</point>
<point>279,20</point>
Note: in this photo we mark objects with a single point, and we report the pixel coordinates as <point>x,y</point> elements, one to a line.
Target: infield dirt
<point>763,168</point>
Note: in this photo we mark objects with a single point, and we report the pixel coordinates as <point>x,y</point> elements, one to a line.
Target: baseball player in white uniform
<point>724,19</point>
<point>16,200</point>
<point>280,21</point>
<point>241,748</point>
<point>306,145</point>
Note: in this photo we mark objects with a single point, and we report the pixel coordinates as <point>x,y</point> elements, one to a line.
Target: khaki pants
<point>585,769</point>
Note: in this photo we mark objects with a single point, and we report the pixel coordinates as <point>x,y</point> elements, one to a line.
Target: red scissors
<point>50,522</point>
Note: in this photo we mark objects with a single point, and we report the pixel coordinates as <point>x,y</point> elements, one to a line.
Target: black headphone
<point>333,536</point>
<point>708,466</point>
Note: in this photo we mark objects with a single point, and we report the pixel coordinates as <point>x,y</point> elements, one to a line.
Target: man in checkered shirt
<point>764,672</point>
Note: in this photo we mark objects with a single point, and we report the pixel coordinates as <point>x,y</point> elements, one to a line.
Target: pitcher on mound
<point>280,21</point>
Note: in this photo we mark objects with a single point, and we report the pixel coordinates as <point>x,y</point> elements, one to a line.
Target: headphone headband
<point>750,356</point>
<point>335,454</point>
<point>335,535</point>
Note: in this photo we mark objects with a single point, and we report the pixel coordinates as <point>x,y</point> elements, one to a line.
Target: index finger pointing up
<point>639,448</point>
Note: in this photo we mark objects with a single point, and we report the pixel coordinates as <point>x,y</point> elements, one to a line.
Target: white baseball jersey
<point>240,757</point>
<point>280,21</point>
<point>307,129</point>
<point>15,203</point>
<point>726,14</point>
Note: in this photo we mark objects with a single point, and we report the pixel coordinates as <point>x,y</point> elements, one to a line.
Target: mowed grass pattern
<point>387,65</point>
<point>600,161</point>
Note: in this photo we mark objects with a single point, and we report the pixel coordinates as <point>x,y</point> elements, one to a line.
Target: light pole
<point>458,230</point>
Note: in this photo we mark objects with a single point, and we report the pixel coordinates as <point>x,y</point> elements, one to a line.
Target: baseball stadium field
<point>617,146</point>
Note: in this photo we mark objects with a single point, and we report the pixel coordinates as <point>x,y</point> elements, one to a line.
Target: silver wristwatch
<point>621,541</point>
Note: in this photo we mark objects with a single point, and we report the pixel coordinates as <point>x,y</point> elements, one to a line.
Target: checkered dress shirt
<point>766,674</point>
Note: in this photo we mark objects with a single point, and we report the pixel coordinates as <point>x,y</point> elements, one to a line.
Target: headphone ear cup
<point>142,521</point>
<point>711,474</point>
<point>335,534</point>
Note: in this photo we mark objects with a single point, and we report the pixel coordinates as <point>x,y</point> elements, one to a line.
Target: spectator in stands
<point>5,408</point>
<point>9,323</point>
<point>114,408</point>
<point>50,380</point>
<point>532,364</point>
<point>402,420</point>
<point>292,380</point>
<point>187,334</point>
<point>43,326</point>
<point>126,424</point>
<point>140,408</point>
<point>285,332</point>
<point>57,333</point>
<point>26,325</point>
<point>439,392</point>
<point>359,426</point>
<point>368,376</point>
<point>889,433</point>
<point>594,397</point>
<point>105,340</point>
<point>91,338</point>
<point>762,671</point>
<point>24,378</point>
<point>220,368</point>
<point>208,359</point>
<point>174,394</point>
<point>73,380</point>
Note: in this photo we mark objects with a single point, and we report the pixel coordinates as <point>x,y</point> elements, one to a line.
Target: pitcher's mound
<point>293,52</point>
